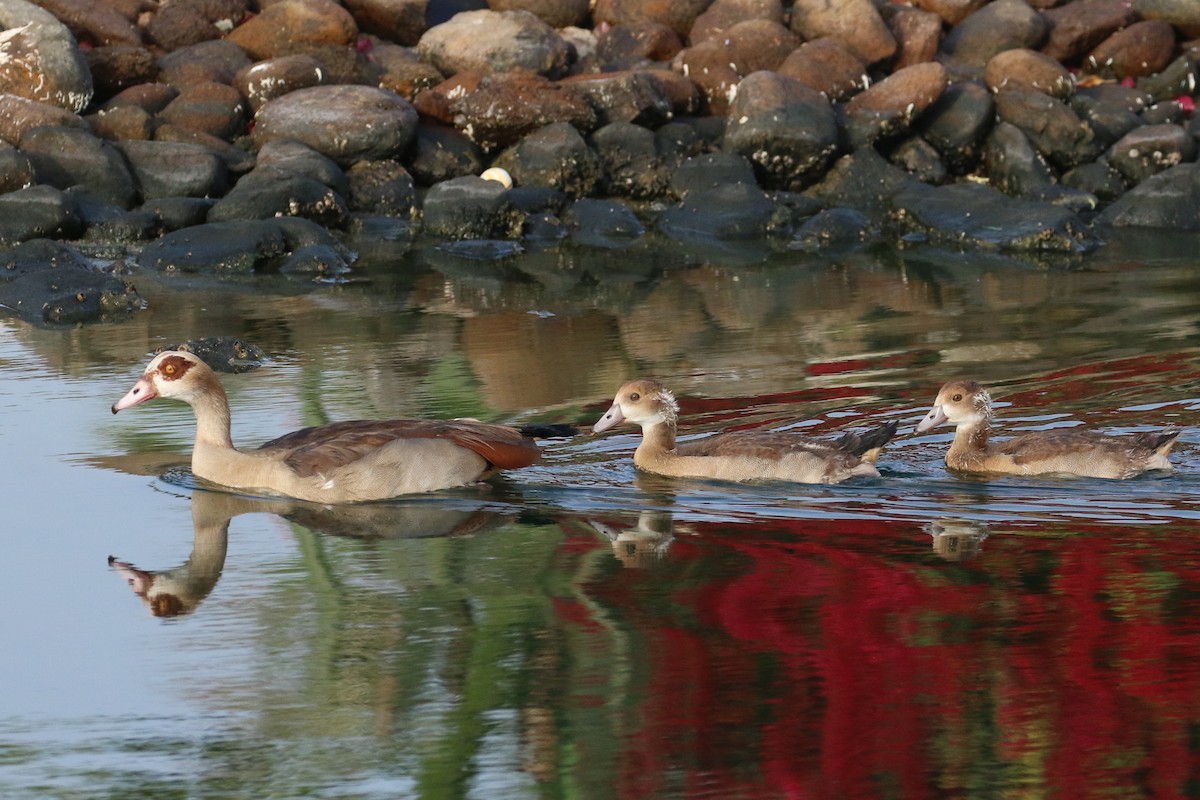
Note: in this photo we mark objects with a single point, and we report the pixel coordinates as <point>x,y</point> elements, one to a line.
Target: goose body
<point>737,455</point>
<point>336,463</point>
<point>968,407</point>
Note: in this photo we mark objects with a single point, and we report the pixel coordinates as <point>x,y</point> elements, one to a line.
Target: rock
<point>94,22</point>
<point>39,59</point>
<point>952,12</point>
<point>440,153</point>
<point>957,124</point>
<point>222,353</point>
<point>733,212</point>
<point>758,44</point>
<point>724,14</point>
<point>403,70</point>
<point>921,159</point>
<point>216,61</point>
<point>864,181</point>
<point>150,97</point>
<point>784,128</point>
<point>300,159</point>
<point>678,15</point>
<point>400,21</point>
<point>1151,149</point>
<point>1028,69</point>
<point>108,224</point>
<point>637,97</point>
<point>212,108</point>
<point>996,27</point>
<point>856,24</point>
<point>1013,164</point>
<point>16,170</point>
<point>631,162</point>
<point>834,227</point>
<point>1143,48</point>
<point>324,264</point>
<point>1170,199</point>
<point>1076,28</point>
<point>37,212</point>
<point>381,187</point>
<point>1098,179</point>
<point>219,247</point>
<point>918,36</point>
<point>186,22</point>
<point>1183,15</point>
<point>1052,127</point>
<point>711,171</point>
<point>828,67</point>
<point>555,156</point>
<point>267,191</point>
<point>176,213</point>
<point>275,77</point>
<point>285,26</point>
<point>603,223</point>
<point>555,13</point>
<point>627,47</point>
<point>345,123</point>
<point>707,65</point>
<point>978,216</point>
<point>236,159</point>
<point>471,208</point>
<point>118,67</point>
<point>1108,118</point>
<point>494,41</point>
<point>1178,79</point>
<point>18,116</point>
<point>890,106</point>
<point>64,157</point>
<point>46,282</point>
<point>170,169</point>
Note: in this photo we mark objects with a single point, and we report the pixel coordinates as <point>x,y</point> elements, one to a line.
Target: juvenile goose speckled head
<point>959,403</point>
<point>643,402</point>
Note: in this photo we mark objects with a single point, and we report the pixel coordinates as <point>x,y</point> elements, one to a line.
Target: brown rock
<point>828,67</point>
<point>505,107</point>
<point>1183,15</point>
<point>494,41</point>
<point>724,14</point>
<point>555,13</point>
<point>918,35</point>
<point>854,23</point>
<point>19,114</point>
<point>266,80</point>
<point>212,108</point>
<point>707,65</point>
<point>1052,127</point>
<point>1028,69</point>
<point>118,67</point>
<point>123,123</point>
<point>1143,48</point>
<point>678,15</point>
<point>151,97</point>
<point>1078,27</point>
<point>758,44</point>
<point>216,61</point>
<point>185,22</point>
<point>1151,149</point>
<point>94,21</point>
<point>952,12</point>
<point>628,46</point>
<point>999,26</point>
<point>890,106</point>
<point>399,21</point>
<point>284,26</point>
<point>41,61</point>
<point>235,158</point>
<point>403,70</point>
<point>633,96</point>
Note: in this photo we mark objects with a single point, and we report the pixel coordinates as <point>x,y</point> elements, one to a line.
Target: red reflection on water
<point>844,659</point>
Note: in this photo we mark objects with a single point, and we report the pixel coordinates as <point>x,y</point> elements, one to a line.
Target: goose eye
<point>635,397</point>
<point>169,369</point>
<point>957,398</point>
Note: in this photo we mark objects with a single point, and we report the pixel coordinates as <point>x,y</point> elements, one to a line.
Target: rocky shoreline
<point>231,136</point>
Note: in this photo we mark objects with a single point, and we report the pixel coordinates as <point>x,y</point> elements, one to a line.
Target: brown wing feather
<point>321,449</point>
<point>1044,445</point>
<point>754,444</point>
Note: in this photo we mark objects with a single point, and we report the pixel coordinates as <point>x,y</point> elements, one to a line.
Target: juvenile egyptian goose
<point>737,455</point>
<point>1071,451</point>
<point>342,462</point>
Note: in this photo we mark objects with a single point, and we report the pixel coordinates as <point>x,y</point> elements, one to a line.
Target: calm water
<point>577,629</point>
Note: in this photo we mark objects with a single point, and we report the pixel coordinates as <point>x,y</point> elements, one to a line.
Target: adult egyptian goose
<point>342,462</point>
<point>1071,451</point>
<point>737,455</point>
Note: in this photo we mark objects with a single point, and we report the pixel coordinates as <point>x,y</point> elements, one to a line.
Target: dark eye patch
<point>174,367</point>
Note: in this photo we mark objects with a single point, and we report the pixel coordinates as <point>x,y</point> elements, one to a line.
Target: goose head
<point>958,403</point>
<point>172,374</point>
<point>643,402</point>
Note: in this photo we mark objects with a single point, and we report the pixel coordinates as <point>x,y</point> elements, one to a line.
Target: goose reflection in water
<point>180,590</point>
<point>957,539</point>
<point>642,545</point>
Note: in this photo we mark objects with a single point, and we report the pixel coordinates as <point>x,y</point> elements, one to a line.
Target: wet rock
<point>471,208</point>
<point>283,27</point>
<point>726,213</point>
<point>678,15</point>
<point>381,187</point>
<point>171,169</point>
<point>1108,120</point>
<point>1166,200</point>
<point>175,213</point>
<point>554,156</point>
<point>1170,112</point>
<point>94,21</point>
<point>236,159</point>
<point>920,158</point>
<point>41,60</point>
<point>1151,149</point>
<point>494,41</point>
<point>996,27</point>
<point>440,153</point>
<point>1028,69</point>
<point>724,14</point>
<point>300,159</point>
<point>275,77</point>
<point>952,12</point>
<point>710,171</point>
<point>150,97</point>
<point>1052,127</point>
<point>1098,179</point>
<point>319,262</point>
<point>981,217</point>
<point>1183,15</point>
<point>624,97</point>
<point>19,115</point>
<point>958,123</point>
<point>186,22</point>
<point>118,67</point>
<point>109,224</point>
<point>758,44</point>
<point>707,65</point>
<point>603,223</point>
<point>828,67</point>
<point>268,191</point>
<point>890,106</point>
<point>345,123</point>
<point>1180,78</point>
<point>222,353</point>
<point>1014,166</point>
<point>400,21</point>
<point>834,227</point>
<point>65,157</point>
<point>918,35</point>
<point>16,170</point>
<point>217,61</point>
<point>239,247</point>
<point>631,46</point>
<point>555,13</point>
<point>862,180</point>
<point>856,24</point>
<point>538,199</point>
<point>631,161</point>
<point>1076,28</point>
<point>1143,48</point>
<point>37,212</point>
<point>48,283</point>
<point>403,70</point>
<point>784,128</point>
<point>212,108</point>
